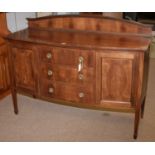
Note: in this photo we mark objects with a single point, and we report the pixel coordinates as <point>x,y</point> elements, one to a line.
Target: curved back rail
<point>90,23</point>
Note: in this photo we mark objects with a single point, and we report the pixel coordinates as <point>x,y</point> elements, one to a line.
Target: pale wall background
<point>17,20</point>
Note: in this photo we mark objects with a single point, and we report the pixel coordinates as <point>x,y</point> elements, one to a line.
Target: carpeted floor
<point>43,121</point>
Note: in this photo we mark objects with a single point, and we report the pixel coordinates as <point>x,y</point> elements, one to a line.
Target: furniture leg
<point>142,108</point>
<point>136,123</point>
<point>12,81</point>
<point>14,98</point>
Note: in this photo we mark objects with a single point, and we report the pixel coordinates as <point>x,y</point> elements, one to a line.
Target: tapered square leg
<point>142,108</point>
<point>14,98</point>
<point>136,123</point>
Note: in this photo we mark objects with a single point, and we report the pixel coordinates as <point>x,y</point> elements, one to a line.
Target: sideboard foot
<point>14,98</point>
<point>135,136</point>
<point>136,123</point>
<point>142,108</point>
<point>16,112</point>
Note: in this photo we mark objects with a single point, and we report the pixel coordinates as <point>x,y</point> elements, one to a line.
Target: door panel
<point>115,77</point>
<point>4,69</point>
<point>24,68</point>
<point>2,85</point>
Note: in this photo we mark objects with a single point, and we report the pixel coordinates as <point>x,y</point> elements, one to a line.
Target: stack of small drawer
<point>67,74</point>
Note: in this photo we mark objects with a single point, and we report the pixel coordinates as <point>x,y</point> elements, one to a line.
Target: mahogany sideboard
<point>84,61</point>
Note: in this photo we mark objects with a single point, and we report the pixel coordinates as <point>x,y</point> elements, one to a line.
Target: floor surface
<point>43,121</point>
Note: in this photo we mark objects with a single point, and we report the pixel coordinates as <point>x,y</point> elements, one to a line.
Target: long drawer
<point>66,74</point>
<point>67,92</point>
<point>66,57</point>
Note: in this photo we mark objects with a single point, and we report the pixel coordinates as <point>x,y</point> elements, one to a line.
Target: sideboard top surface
<point>81,39</point>
<point>75,31</point>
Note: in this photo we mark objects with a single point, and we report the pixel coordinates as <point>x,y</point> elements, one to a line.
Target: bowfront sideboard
<point>82,61</point>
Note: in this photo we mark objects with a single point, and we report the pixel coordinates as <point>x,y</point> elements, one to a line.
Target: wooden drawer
<point>66,74</point>
<point>46,54</point>
<point>68,92</point>
<point>66,57</point>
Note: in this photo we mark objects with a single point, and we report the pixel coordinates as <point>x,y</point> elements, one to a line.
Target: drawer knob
<point>80,76</point>
<point>81,95</point>
<point>50,90</point>
<point>50,73</point>
<point>48,55</point>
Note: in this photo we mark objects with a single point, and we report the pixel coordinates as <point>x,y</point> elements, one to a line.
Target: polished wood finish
<point>4,68</point>
<point>3,25</point>
<point>117,77</point>
<point>4,72</point>
<point>64,79</point>
<point>101,65</point>
<point>23,68</point>
<point>78,39</point>
<point>107,14</point>
<point>90,23</point>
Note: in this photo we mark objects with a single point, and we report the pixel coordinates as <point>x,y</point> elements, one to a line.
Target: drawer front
<point>67,57</point>
<point>46,55</point>
<point>66,74</point>
<point>68,92</point>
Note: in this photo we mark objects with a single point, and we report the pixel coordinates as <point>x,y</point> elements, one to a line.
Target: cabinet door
<point>23,60</point>
<point>114,74</point>
<point>4,69</point>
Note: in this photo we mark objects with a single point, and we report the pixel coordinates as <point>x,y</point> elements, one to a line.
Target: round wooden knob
<point>50,90</point>
<point>50,73</point>
<point>48,55</point>
<point>81,94</point>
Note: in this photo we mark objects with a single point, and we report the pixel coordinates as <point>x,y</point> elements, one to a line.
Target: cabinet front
<point>115,76</point>
<point>23,60</point>
<point>67,74</point>
<point>4,69</point>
